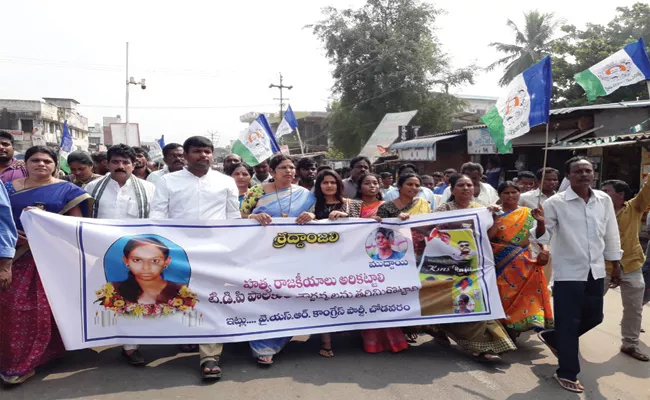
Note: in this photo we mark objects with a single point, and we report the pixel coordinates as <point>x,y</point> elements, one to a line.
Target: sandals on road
<point>634,353</point>
<point>265,360</point>
<point>210,370</point>
<point>571,386</point>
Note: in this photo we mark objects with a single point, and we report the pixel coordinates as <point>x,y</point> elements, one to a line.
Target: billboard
<point>386,133</point>
<point>120,134</point>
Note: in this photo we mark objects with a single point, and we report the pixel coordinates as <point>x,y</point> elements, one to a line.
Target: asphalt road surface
<point>424,371</point>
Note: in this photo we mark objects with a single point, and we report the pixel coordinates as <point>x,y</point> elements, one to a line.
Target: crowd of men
<point>596,243</point>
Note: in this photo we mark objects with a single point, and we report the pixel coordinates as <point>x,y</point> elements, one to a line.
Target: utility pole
<point>214,137</point>
<point>130,81</point>
<point>281,86</point>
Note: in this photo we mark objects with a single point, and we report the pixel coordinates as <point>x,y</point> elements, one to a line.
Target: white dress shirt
<point>425,193</point>
<point>256,181</point>
<point>583,235</point>
<point>183,195</point>
<point>531,198</point>
<point>155,176</point>
<point>487,197</point>
<point>120,202</point>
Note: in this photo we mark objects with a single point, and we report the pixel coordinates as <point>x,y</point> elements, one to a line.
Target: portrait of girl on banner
<point>146,275</point>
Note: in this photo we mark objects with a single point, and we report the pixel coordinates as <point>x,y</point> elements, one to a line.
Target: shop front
<point>434,153</point>
<point>624,157</point>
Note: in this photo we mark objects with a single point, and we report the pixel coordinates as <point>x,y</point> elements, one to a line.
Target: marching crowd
<point>589,236</point>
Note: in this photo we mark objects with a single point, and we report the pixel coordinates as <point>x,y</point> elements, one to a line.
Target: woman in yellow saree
<point>520,278</point>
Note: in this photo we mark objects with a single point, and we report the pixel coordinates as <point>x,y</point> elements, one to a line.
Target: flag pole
<point>302,150</point>
<point>539,198</point>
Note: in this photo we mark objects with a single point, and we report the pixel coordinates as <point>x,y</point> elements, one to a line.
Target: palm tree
<point>530,46</point>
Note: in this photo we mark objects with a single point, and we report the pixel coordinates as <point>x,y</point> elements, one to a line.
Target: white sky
<point>216,54</point>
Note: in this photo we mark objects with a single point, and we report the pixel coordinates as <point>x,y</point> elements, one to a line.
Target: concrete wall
<point>21,106</point>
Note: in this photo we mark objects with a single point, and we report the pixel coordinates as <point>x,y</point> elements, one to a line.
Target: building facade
<point>41,122</point>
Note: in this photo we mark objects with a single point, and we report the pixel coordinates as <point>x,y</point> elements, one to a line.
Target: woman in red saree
<point>384,339</point>
<point>29,336</point>
<point>520,278</point>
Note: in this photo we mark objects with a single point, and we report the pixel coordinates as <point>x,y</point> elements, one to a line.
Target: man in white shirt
<point>584,233</point>
<point>484,194</point>
<point>547,188</point>
<point>261,175</point>
<point>120,195</point>
<point>174,161</point>
<point>425,193</point>
<point>198,193</point>
<point>531,200</point>
<point>386,182</point>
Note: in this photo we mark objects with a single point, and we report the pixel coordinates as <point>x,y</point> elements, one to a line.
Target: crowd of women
<point>520,276</point>
<point>29,336</point>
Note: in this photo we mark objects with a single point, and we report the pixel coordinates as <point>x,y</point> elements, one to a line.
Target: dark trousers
<point>578,308</point>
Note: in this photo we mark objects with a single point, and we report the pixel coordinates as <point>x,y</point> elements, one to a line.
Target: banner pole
<point>539,198</point>
<point>302,150</point>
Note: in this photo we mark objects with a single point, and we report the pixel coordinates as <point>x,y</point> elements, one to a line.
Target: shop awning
<point>616,140</point>
<point>422,143</point>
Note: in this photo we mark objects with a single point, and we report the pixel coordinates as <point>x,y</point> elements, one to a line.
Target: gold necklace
<point>282,213</point>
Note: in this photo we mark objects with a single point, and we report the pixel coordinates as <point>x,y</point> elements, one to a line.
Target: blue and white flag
<point>66,138</point>
<point>623,68</point>
<point>65,148</point>
<point>288,124</point>
<point>161,141</point>
<point>525,103</point>
<point>256,143</point>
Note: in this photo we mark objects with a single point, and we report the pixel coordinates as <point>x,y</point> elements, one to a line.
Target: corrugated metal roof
<point>459,130</point>
<point>421,143</point>
<point>608,106</point>
<point>616,140</point>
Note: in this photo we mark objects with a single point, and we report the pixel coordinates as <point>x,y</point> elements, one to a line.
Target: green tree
<point>334,154</point>
<point>531,45</point>
<point>386,58</point>
<point>581,49</point>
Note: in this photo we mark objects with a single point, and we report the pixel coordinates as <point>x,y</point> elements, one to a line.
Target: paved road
<point>425,371</point>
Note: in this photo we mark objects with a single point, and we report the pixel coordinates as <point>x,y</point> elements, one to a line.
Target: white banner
<point>166,281</point>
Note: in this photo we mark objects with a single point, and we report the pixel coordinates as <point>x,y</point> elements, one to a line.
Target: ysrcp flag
<point>623,68</point>
<point>257,143</point>
<point>66,147</point>
<point>526,103</point>
<point>288,124</point>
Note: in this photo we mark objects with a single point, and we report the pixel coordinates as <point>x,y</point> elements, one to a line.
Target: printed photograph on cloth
<point>447,259</point>
<point>146,275</point>
<point>386,244</point>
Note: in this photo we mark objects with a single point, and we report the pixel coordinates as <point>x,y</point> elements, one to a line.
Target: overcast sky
<point>208,62</point>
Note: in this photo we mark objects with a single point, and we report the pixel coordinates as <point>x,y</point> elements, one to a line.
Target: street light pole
<point>130,81</point>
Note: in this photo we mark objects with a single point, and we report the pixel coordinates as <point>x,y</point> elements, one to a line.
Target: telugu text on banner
<point>157,281</point>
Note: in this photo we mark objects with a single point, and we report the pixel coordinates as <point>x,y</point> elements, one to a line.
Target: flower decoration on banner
<point>184,301</point>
